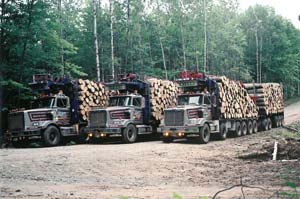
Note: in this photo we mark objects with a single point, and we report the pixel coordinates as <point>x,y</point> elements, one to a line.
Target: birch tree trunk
<point>181,7</point>
<point>260,57</point>
<point>111,9</point>
<point>257,56</point>
<point>196,58</point>
<point>1,61</point>
<point>140,49</point>
<point>127,33</point>
<point>183,45</point>
<point>163,56</point>
<point>96,40</point>
<point>61,37</point>
<point>205,38</point>
<point>28,30</point>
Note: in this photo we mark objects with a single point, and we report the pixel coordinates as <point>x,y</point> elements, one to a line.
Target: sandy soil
<point>143,170</point>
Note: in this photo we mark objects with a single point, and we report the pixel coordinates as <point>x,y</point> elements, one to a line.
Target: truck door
<point>63,111</point>
<point>138,109</point>
<point>208,104</point>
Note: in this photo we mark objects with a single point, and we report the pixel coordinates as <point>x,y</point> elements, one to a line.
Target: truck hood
<point>38,110</point>
<point>185,107</point>
<point>34,110</point>
<point>114,108</point>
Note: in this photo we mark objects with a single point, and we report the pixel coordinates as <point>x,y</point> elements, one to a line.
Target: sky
<point>289,9</point>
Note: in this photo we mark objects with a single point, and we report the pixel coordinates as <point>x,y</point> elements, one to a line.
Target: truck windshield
<point>120,101</point>
<point>46,102</point>
<point>188,100</point>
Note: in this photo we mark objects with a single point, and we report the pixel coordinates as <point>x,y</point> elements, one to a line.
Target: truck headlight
<point>193,121</point>
<point>116,122</point>
<point>166,134</point>
<point>35,124</point>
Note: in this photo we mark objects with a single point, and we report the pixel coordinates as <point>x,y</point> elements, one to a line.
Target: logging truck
<point>268,97</point>
<point>54,114</point>
<point>209,104</point>
<point>132,109</point>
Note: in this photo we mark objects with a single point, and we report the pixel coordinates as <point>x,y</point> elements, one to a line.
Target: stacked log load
<point>269,97</point>
<point>91,94</point>
<point>234,100</point>
<point>163,93</point>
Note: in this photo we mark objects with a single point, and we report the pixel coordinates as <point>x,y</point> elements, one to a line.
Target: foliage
<point>48,37</point>
<point>292,182</point>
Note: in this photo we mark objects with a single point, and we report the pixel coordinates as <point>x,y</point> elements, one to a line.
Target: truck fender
<point>204,124</point>
<point>203,121</point>
<point>51,124</point>
<point>127,123</point>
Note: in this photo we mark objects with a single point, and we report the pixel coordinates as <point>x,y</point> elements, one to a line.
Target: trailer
<point>55,113</point>
<point>206,107</point>
<point>268,97</point>
<point>131,111</point>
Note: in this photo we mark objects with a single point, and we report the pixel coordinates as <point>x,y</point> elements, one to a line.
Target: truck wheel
<point>244,128</point>
<point>223,132</point>
<point>281,120</point>
<point>20,143</point>
<point>250,127</point>
<point>255,127</point>
<point>52,136</point>
<point>204,135</point>
<point>275,122</point>
<point>265,124</point>
<point>269,124</point>
<point>129,134</point>
<point>238,131</point>
<point>167,139</point>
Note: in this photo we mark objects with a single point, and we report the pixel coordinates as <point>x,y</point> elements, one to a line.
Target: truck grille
<point>174,117</point>
<point>16,122</point>
<point>97,118</point>
<point>40,116</point>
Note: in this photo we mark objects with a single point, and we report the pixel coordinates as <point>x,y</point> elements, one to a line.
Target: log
<point>234,100</point>
<point>269,99</point>
<point>91,94</point>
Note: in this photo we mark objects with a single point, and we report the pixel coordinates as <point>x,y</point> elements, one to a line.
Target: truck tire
<point>264,124</point>
<point>223,132</point>
<point>255,126</point>
<point>129,134</point>
<point>20,143</point>
<point>280,118</point>
<point>204,134</point>
<point>275,122</point>
<point>280,121</point>
<point>250,127</point>
<point>238,131</point>
<point>167,139</point>
<point>269,124</point>
<point>244,128</point>
<point>52,136</point>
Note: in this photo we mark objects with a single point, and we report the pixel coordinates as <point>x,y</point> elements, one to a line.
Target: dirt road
<point>141,170</point>
<point>292,113</point>
<point>144,170</point>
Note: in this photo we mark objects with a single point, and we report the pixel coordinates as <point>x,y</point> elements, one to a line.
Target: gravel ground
<point>141,170</point>
<point>149,169</point>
